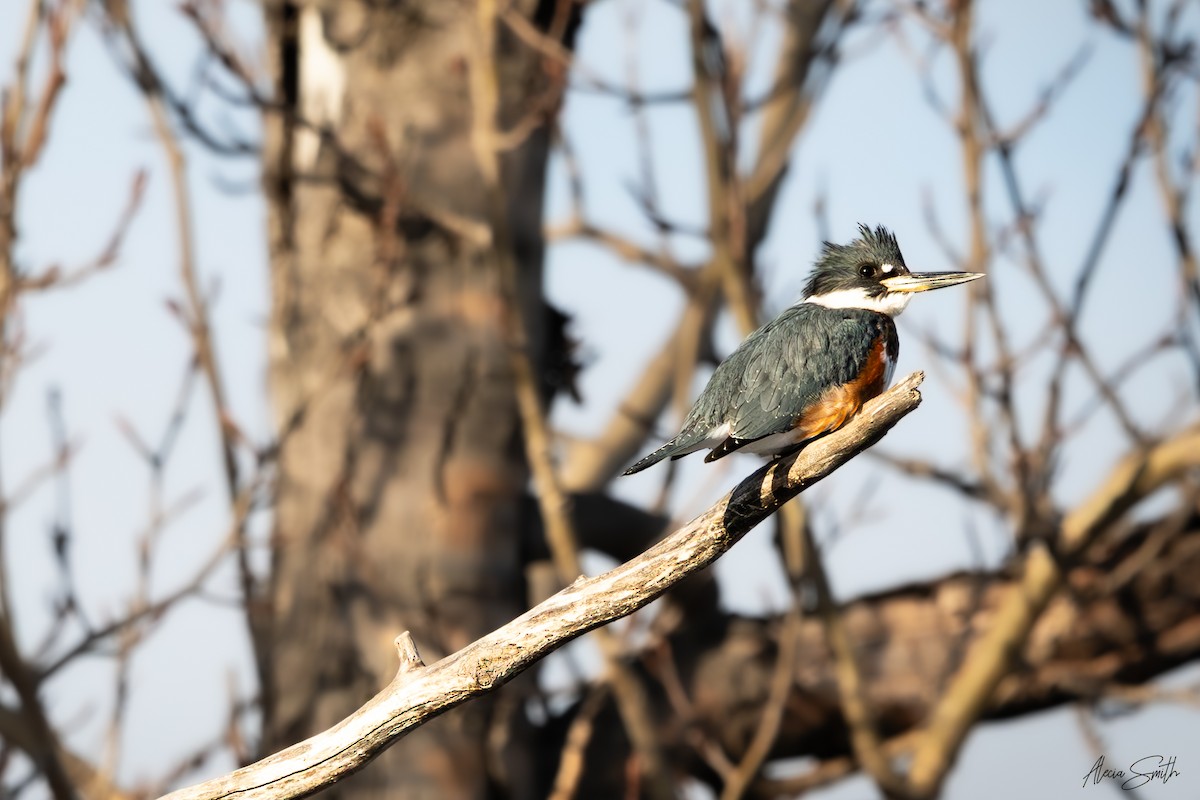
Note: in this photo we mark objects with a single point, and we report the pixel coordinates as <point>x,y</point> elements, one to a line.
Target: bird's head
<point>870,273</point>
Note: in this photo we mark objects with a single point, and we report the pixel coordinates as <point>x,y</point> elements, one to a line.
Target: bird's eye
<point>867,270</point>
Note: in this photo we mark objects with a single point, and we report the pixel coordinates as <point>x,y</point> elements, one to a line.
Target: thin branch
<point>572,759</point>
<point>57,278</point>
<point>1047,97</point>
<point>950,478</point>
<point>626,249</point>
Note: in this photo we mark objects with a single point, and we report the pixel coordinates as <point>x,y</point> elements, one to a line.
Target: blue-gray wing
<point>790,367</point>
<point>802,353</point>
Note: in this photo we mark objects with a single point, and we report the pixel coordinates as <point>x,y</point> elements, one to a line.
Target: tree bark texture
<point>400,469</point>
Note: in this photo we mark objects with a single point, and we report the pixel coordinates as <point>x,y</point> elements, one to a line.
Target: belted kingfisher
<point>810,369</point>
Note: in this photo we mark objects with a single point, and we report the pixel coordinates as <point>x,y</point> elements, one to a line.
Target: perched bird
<point>810,369</point>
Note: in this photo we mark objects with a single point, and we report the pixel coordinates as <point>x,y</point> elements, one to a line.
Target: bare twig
<point>57,278</point>
<point>571,760</point>
<point>626,249</point>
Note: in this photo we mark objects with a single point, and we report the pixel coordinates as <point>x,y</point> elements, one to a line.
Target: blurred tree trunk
<point>401,469</point>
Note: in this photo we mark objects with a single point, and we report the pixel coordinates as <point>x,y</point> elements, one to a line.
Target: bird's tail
<point>681,445</point>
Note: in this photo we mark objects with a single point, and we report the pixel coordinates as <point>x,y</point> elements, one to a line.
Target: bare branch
<point>417,695</point>
<point>56,278</point>
<point>571,762</point>
<point>626,249</point>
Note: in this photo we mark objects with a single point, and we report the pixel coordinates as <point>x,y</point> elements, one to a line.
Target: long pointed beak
<point>925,281</point>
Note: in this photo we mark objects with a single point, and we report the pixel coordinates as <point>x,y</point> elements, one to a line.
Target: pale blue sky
<point>874,147</point>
